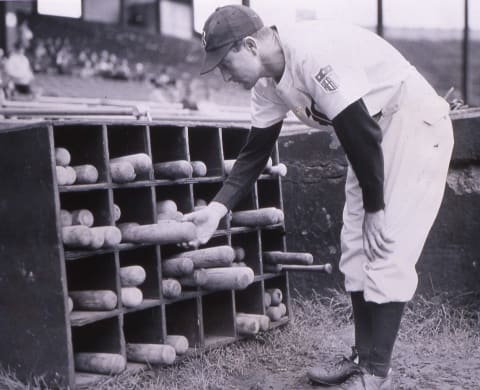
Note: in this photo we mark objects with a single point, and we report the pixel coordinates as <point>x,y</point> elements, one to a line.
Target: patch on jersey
<point>327,79</point>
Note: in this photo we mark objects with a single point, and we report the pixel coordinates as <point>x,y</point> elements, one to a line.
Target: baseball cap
<point>223,28</point>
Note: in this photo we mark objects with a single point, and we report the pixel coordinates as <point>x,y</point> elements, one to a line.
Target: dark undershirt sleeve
<point>249,165</point>
<point>361,137</point>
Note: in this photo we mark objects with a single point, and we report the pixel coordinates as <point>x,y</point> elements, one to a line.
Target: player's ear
<point>250,44</point>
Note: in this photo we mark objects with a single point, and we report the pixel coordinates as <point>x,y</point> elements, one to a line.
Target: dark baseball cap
<point>223,28</point>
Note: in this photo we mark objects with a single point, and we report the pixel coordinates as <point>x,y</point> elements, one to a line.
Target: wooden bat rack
<point>38,334</point>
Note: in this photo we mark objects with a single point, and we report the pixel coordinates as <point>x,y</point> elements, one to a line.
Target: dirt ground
<point>446,362</point>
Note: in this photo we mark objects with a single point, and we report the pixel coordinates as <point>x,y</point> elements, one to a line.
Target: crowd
<point>48,48</point>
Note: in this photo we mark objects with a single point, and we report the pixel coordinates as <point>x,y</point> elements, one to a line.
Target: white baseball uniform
<point>330,65</point>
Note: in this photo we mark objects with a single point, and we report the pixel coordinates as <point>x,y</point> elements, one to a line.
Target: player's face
<point>240,66</point>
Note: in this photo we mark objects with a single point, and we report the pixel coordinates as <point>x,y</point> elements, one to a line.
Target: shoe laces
<point>342,360</point>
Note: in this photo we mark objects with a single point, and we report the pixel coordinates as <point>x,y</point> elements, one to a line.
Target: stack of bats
<point>77,174</point>
<point>147,353</point>
<point>209,268</point>
<point>125,169</point>
<point>78,230</point>
<point>275,309</point>
<point>104,300</point>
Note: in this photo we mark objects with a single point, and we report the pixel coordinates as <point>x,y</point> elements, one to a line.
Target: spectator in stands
<point>24,34</point>
<point>41,58</point>
<point>19,71</point>
<point>105,66</point>
<point>139,72</point>
<point>122,70</point>
<point>87,70</point>
<point>64,60</point>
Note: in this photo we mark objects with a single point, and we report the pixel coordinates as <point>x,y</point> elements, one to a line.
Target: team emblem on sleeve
<point>327,79</point>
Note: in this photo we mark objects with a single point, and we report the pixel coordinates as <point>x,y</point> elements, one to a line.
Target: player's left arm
<point>361,137</point>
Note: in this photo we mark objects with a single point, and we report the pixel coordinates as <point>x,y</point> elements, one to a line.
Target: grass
<point>281,354</point>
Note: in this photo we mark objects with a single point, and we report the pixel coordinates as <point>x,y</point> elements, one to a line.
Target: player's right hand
<point>206,221</point>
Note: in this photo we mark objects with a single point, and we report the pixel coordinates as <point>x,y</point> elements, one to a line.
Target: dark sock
<point>363,327</point>
<point>385,319</point>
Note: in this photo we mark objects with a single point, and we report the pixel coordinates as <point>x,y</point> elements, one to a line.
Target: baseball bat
<point>199,169</point>
<point>263,320</point>
<point>98,239</point>
<point>131,296</point>
<point>141,162</point>
<point>86,174</point>
<point>178,342</point>
<point>65,175</point>
<point>239,253</point>
<point>216,256</point>
<point>177,267</point>
<point>239,264</point>
<point>276,295</point>
<point>65,218</point>
<point>199,202</point>
<point>277,170</point>
<point>132,275</point>
<point>163,232</point>
<point>117,212</point>
<point>178,169</point>
<point>274,313</point>
<point>176,216</point>
<point>229,163</point>
<point>294,258</point>
<point>247,325</point>
<point>93,299</point>
<point>167,206</point>
<point>198,278</point>
<point>150,353</point>
<point>272,268</point>
<point>228,278</point>
<point>76,236</point>
<point>71,175</point>
<point>122,172</point>
<point>111,235</point>
<point>171,288</point>
<point>82,217</point>
<point>267,299</point>
<point>275,268</point>
<point>99,363</point>
<point>260,217</point>
<point>62,157</point>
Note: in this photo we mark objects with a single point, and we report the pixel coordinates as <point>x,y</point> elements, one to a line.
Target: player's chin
<point>246,84</point>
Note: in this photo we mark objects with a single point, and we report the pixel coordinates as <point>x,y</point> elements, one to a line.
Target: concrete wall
<point>313,201</point>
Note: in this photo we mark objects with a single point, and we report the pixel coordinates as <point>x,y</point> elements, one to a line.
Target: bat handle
<point>327,268</point>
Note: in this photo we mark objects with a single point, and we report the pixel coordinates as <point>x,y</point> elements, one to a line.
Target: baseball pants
<point>417,145</point>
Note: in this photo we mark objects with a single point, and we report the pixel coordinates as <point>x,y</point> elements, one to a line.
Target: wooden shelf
<point>206,318</point>
<point>81,318</point>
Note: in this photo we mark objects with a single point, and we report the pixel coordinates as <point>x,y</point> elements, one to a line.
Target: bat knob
<point>328,268</point>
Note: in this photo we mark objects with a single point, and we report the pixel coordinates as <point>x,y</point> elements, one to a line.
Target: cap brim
<point>214,57</point>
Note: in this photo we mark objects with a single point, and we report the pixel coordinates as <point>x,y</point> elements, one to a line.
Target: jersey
<point>328,66</point>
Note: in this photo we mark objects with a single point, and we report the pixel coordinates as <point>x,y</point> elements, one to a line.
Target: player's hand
<point>376,243</point>
<point>206,220</point>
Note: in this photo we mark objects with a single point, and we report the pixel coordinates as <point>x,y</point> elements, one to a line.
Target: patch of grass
<point>312,334</point>
<point>443,313</point>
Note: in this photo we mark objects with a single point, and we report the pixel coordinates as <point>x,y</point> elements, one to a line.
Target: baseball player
<point>397,137</point>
